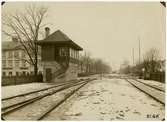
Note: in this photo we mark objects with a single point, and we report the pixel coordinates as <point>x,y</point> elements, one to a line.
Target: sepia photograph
<point>83,60</point>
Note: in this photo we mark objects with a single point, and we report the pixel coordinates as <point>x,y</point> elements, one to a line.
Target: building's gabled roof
<point>59,38</point>
<point>10,45</point>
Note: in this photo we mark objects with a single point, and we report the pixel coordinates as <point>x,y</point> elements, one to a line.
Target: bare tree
<point>85,62</point>
<point>89,65</point>
<point>26,27</point>
<point>151,58</point>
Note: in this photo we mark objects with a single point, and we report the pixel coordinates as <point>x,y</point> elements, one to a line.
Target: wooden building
<point>60,56</point>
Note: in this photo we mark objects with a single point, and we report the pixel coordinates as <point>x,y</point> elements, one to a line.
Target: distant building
<point>14,59</point>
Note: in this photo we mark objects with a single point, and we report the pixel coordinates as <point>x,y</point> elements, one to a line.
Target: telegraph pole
<point>133,56</point>
<point>139,50</point>
<point>139,57</point>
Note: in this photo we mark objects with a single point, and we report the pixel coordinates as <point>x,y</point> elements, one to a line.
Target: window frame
<point>10,63</point>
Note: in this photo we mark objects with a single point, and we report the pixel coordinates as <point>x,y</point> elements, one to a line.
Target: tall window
<point>17,73</point>
<point>10,73</point>
<point>24,73</point>
<point>4,74</point>
<point>3,55</point>
<point>71,53</point>
<point>23,55</point>
<point>77,55</point>
<point>17,63</point>
<point>4,63</point>
<point>10,54</point>
<point>23,63</point>
<point>63,52</point>
<point>10,63</point>
<point>16,54</point>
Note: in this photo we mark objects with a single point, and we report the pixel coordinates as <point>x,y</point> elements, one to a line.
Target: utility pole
<point>139,51</point>
<point>133,56</point>
<point>139,59</point>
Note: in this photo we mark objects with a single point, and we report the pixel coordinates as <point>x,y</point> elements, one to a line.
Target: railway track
<point>154,91</point>
<point>153,86</point>
<point>9,105</point>
<point>6,102</point>
<point>59,103</point>
<point>36,91</point>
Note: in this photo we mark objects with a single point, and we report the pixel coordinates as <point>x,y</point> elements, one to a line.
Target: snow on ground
<point>109,99</point>
<point>34,110</point>
<point>8,91</point>
<point>154,83</point>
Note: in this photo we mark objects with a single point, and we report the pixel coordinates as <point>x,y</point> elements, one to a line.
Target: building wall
<point>53,65</point>
<point>72,72</point>
<point>13,63</point>
<point>52,60</point>
<point>48,53</point>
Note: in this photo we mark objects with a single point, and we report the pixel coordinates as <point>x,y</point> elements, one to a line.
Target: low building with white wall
<point>14,60</point>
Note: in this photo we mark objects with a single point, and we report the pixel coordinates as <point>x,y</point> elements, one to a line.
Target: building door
<point>48,74</point>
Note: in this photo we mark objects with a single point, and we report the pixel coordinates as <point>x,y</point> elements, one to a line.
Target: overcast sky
<point>108,30</point>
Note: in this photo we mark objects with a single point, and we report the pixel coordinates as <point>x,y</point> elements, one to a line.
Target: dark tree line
<point>89,65</point>
<point>151,64</point>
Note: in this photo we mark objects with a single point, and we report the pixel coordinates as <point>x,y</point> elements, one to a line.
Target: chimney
<point>47,31</point>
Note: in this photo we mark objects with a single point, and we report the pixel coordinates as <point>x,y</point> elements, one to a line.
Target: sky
<point>108,30</point>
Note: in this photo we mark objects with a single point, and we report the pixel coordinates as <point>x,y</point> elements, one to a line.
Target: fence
<point>15,80</point>
<point>156,76</point>
<point>86,74</point>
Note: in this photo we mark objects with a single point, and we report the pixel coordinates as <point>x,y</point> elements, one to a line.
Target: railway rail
<point>35,91</point>
<point>9,104</point>
<point>154,91</point>
<point>59,103</point>
<point>12,106</point>
<point>153,86</point>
